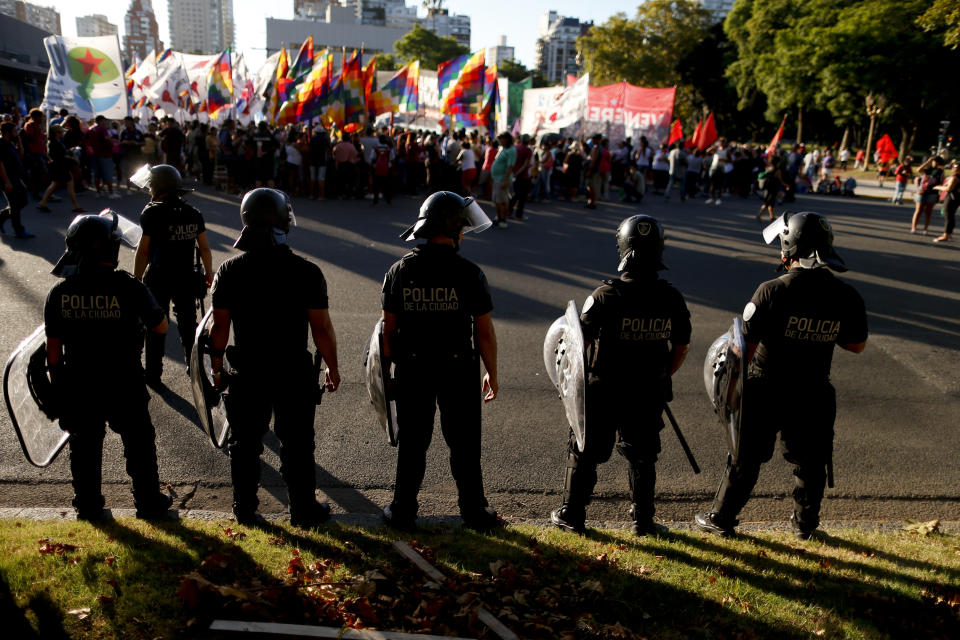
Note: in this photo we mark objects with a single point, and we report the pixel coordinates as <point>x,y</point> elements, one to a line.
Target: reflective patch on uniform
<point>748,311</point>
<point>587,304</point>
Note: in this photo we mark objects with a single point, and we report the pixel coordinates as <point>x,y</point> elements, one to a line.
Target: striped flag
<point>302,65</point>
<point>311,95</point>
<point>279,88</point>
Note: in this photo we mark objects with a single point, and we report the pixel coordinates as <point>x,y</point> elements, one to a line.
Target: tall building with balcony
<point>95,25</point>
<point>201,26</point>
<point>141,31</point>
<point>46,18</point>
<point>556,50</point>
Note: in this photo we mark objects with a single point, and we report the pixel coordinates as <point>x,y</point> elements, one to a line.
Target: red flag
<point>676,132</point>
<point>571,79</point>
<point>709,134</point>
<point>776,138</point>
<point>695,138</point>
<point>888,151</point>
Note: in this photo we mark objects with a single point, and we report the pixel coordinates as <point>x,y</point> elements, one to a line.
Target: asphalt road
<point>898,423</point>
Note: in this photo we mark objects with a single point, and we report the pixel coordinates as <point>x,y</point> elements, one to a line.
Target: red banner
<point>622,110</point>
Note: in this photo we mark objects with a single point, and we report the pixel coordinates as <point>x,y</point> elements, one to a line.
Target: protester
<point>952,190</point>
<point>929,176</point>
<point>61,171</point>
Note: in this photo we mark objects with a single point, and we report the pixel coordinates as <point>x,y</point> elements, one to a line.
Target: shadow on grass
<point>15,621</point>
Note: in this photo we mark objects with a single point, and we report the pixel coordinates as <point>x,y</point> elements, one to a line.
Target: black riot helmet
<point>266,208</point>
<point>447,214</point>
<point>640,243</point>
<point>165,180</point>
<point>806,236</point>
<point>266,215</point>
<point>93,240</point>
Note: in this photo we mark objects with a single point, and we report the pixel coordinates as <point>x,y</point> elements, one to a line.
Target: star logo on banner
<point>91,64</point>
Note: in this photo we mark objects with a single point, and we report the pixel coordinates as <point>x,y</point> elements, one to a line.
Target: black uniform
<point>634,323</point>
<point>268,292</point>
<point>436,294</point>
<point>172,226</point>
<point>795,320</point>
<point>99,316</point>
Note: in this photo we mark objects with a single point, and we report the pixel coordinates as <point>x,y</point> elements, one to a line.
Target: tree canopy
<point>424,45</point>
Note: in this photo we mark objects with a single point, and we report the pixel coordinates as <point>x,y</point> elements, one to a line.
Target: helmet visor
<point>130,231</point>
<point>141,179</point>
<point>773,230</point>
<point>477,220</point>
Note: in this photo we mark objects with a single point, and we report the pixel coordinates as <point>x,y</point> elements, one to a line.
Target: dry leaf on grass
<point>922,528</point>
<point>82,614</point>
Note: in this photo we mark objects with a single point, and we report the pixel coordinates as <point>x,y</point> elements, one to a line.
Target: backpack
<point>928,182</point>
<point>381,165</point>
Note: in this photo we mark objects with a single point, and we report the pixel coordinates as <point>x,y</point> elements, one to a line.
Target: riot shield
<point>24,378</point>
<point>724,374</point>
<point>564,356</point>
<point>377,376</point>
<point>206,397</point>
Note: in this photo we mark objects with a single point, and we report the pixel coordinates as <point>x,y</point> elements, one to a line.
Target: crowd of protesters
<point>37,159</point>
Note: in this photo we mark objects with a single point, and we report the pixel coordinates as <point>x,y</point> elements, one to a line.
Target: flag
<point>128,76</point>
<point>301,66</point>
<point>279,89</point>
<point>676,132</point>
<point>400,94</point>
<point>695,138</point>
<point>491,99</point>
<point>776,138</point>
<point>515,95</point>
<point>461,83</point>
<point>354,109</point>
<point>369,76</point>
<point>571,79</point>
<point>171,79</point>
<point>886,148</point>
<point>145,72</point>
<point>220,84</point>
<point>85,77</point>
<point>708,135</point>
<point>164,55</point>
<point>333,110</point>
<point>311,95</point>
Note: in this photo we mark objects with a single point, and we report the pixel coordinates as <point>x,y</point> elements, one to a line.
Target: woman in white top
<point>468,168</point>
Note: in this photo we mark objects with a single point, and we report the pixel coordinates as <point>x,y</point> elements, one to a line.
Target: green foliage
<point>944,16</point>
<point>512,70</point>
<point>388,62</point>
<point>424,45</point>
<point>644,50</point>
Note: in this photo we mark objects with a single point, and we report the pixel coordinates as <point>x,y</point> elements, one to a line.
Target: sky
<point>516,19</point>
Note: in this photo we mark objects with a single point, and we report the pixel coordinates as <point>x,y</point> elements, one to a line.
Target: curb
<point>67,514</point>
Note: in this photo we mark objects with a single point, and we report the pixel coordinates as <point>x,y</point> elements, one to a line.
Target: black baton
<point>683,441</point>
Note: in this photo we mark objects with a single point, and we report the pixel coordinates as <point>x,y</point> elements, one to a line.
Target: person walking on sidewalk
<point>901,175</point>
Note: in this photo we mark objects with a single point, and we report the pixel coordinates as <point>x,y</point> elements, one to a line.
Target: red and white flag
<point>776,138</point>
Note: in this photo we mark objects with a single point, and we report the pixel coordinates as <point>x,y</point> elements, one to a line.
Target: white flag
<point>85,77</point>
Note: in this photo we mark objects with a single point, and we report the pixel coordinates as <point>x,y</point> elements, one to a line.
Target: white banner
<point>554,108</point>
<point>85,77</point>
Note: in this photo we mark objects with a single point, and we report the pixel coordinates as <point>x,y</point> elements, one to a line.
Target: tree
<point>943,16</point>
<point>388,62</point>
<point>516,72</point>
<point>427,47</point>
<point>644,50</point>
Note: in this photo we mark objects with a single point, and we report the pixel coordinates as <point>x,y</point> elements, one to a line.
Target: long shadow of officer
<point>94,325</point>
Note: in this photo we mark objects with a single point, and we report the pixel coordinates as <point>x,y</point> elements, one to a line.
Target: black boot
<point>577,487</point>
<point>309,514</point>
<point>732,494</point>
<point>643,480</point>
<point>398,518</point>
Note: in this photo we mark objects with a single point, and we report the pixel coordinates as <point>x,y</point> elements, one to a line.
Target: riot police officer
<point>639,327</point>
<point>272,296</point>
<point>791,325</point>
<point>173,231</point>
<point>436,322</point>
<point>94,323</point>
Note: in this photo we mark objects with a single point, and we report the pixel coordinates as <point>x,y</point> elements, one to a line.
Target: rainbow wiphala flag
<point>461,85</point>
<point>399,94</point>
<point>220,84</point>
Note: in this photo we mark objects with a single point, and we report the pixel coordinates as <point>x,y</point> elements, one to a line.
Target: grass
<point>171,579</point>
